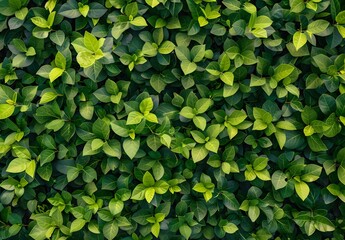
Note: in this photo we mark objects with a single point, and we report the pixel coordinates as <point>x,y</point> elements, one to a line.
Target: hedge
<point>172,119</point>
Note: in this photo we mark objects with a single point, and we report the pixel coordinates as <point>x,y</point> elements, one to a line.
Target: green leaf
<point>236,117</point>
<point>230,228</point>
<point>340,18</point>
<point>187,112</point>
<point>131,147</point>
<point>302,190</point>
<point>91,42</point>
<point>146,105</point>
<point>322,62</point>
<point>299,40</point>
<point>40,22</point>
<point>139,22</point>
<point>110,230</point>
<point>341,172</point>
<point>297,6</point>
<point>149,194</point>
<point>46,156</point>
<point>148,179</point>
<point>72,173</point>
<point>262,22</point>
<point>134,118</point>
<point>188,67</point>
<point>86,110</point>
<point>6,110</point>
<point>185,231</point>
<point>112,148</point>
<point>260,163</point>
<point>315,143</point>
<point>17,165</point>
<point>283,71</point>
<point>253,213</point>
<point>279,180</point>
<point>312,172</point>
<point>166,47</point>
<point>200,122</point>
<point>139,192</point>
<point>57,37</point>
<point>48,97</point>
<point>55,73</point>
<point>227,78</point>
<point>323,224</point>
<point>154,142</point>
<point>340,104</point>
<point>77,225</point>
<point>202,105</point>
<point>86,59</point>
<point>199,152</point>
<point>317,26</point>
<point>212,145</point>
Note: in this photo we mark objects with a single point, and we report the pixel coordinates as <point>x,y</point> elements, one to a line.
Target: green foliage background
<point>172,119</point>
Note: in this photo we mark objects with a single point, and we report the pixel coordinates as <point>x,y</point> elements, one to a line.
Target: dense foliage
<point>172,119</point>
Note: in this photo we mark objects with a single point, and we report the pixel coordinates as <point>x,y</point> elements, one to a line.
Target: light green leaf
<point>302,190</point>
<point>227,78</point>
<point>77,225</point>
<point>86,59</point>
<point>317,26</point>
<point>299,40</point>
<point>48,97</point>
<point>149,194</point>
<point>185,231</point>
<point>110,230</point>
<point>55,73</point>
<point>40,22</point>
<point>131,147</point>
<point>199,152</point>
<point>6,110</point>
<point>199,122</point>
<point>134,118</point>
<point>212,145</point>
<point>17,165</point>
<point>279,180</point>
<point>146,105</point>
<point>166,47</point>
<point>282,71</point>
<point>188,67</point>
<point>139,22</point>
<point>230,228</point>
<point>253,213</point>
<point>297,6</point>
